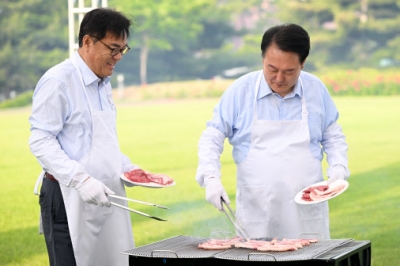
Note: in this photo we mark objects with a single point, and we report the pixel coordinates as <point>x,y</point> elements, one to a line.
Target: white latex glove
<point>214,192</point>
<point>337,172</point>
<point>93,191</point>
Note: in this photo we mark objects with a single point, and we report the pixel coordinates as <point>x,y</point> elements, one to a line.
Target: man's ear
<point>87,40</point>
<point>302,64</point>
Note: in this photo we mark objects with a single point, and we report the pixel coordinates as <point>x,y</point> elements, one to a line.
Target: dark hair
<point>288,38</point>
<point>99,21</point>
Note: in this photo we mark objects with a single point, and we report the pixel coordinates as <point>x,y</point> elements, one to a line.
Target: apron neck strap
<point>304,111</point>
<point>73,60</point>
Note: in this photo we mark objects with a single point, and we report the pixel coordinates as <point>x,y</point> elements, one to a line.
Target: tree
<point>345,32</point>
<point>33,37</point>
<point>159,22</point>
<point>180,40</point>
<point>176,29</point>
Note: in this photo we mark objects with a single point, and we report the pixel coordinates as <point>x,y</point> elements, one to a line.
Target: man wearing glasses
<point>73,137</point>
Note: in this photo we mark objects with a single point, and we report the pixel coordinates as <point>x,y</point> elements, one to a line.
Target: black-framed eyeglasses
<point>115,51</point>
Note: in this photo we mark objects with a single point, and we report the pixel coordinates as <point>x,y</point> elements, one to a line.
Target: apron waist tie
<point>50,177</point>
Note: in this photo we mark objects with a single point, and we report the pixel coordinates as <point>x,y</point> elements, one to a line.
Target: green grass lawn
<point>161,136</point>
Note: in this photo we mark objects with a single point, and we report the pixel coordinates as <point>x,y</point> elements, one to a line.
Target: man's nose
<point>280,77</point>
<point>118,56</point>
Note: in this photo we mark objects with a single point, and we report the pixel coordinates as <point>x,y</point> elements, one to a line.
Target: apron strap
<point>256,89</point>
<point>304,111</point>
<point>83,84</point>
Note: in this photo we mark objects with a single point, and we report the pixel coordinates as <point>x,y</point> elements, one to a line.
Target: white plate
<point>151,184</point>
<point>300,193</point>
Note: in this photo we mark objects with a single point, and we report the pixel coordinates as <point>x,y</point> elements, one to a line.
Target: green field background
<point>161,136</point>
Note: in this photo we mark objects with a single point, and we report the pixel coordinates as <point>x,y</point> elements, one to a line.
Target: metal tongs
<point>140,202</point>
<point>238,226</point>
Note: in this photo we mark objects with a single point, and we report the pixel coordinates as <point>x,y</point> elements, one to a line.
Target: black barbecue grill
<point>183,250</point>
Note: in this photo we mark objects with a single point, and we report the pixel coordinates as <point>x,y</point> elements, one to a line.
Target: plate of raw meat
<point>321,191</point>
<point>139,177</point>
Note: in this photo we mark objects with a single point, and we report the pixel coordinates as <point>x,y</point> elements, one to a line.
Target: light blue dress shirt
<point>233,115</point>
<point>61,123</point>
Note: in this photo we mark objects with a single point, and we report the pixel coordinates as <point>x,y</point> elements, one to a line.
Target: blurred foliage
<point>181,42</point>
<point>34,36</point>
<point>365,81</point>
<point>354,33</point>
<point>200,39</point>
<point>340,82</point>
<point>21,100</point>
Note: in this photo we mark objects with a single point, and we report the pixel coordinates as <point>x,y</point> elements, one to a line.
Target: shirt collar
<point>266,90</point>
<point>88,75</point>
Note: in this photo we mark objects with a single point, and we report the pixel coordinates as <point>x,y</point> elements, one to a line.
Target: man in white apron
<point>73,136</point>
<point>279,121</point>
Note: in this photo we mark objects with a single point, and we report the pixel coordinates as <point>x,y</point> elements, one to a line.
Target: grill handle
<point>263,254</point>
<point>160,250</point>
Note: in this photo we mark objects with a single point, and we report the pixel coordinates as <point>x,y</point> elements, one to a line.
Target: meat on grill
<point>277,248</point>
<point>261,245</point>
<point>141,176</point>
<point>217,244</point>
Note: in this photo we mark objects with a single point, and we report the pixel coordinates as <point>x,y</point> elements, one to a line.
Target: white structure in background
<point>77,12</point>
<point>120,79</point>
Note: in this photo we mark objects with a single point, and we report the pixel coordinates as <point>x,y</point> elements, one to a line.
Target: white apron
<point>100,234</point>
<point>279,164</point>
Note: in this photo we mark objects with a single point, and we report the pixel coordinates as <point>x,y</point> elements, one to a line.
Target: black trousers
<point>55,225</point>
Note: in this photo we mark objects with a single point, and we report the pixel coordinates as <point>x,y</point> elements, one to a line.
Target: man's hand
<point>93,191</point>
<point>214,192</point>
<point>337,172</point>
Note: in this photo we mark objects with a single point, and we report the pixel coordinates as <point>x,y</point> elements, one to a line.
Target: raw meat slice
<point>276,247</point>
<point>141,176</point>
<point>333,190</point>
<point>322,192</point>
<point>304,242</point>
<point>261,245</point>
<point>252,244</point>
<point>137,175</point>
<point>320,188</point>
<point>209,246</point>
<point>161,179</point>
<point>216,244</point>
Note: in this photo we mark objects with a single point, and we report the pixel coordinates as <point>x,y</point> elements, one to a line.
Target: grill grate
<point>174,247</point>
<point>186,247</point>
